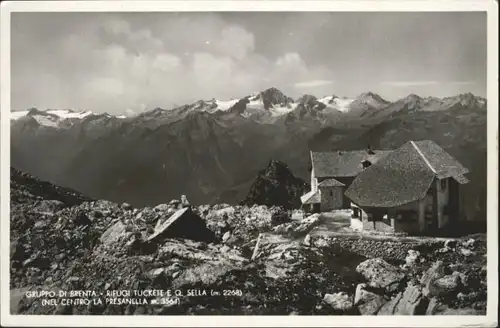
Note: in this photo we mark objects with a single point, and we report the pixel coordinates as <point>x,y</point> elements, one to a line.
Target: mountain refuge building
<point>332,173</point>
<point>414,189</point>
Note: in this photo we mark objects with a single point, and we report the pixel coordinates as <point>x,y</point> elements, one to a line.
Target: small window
<point>443,184</point>
<point>331,193</point>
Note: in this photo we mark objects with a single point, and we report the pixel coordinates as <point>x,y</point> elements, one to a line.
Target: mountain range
<point>212,150</point>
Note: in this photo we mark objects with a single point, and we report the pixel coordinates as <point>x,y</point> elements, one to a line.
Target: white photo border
<point>489,320</point>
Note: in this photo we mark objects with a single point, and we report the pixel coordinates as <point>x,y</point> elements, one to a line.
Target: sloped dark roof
<point>312,197</point>
<point>441,162</point>
<point>330,183</point>
<point>403,176</point>
<point>461,179</point>
<point>344,163</point>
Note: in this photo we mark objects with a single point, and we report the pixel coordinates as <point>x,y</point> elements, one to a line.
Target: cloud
<point>408,84</point>
<point>114,63</point>
<point>312,84</point>
<point>235,42</point>
<point>463,83</point>
<point>412,84</point>
<point>162,59</point>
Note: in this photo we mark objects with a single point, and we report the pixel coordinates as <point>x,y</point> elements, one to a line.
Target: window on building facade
<point>443,184</point>
<point>331,193</point>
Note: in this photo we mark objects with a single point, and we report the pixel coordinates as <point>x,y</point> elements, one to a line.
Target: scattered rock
<point>126,206</point>
<point>433,306</point>
<point>82,219</point>
<point>112,252</point>
<point>412,257</point>
<point>162,207</point>
<point>339,301</point>
<point>463,278</point>
<point>283,228</point>
<point>380,274</point>
<point>184,202</point>
<point>114,233</point>
<point>435,272</point>
<point>226,236</point>
<point>307,241</point>
<point>367,302</point>
<point>321,241</point>
<point>444,250</point>
<point>50,206</point>
<point>307,223</point>
<point>466,252</point>
<point>280,217</point>
<point>410,302</point>
<point>444,285</point>
<point>469,243</point>
<point>256,249</point>
<point>450,244</point>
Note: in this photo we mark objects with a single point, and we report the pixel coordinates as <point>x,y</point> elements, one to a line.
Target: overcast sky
<point>129,62</point>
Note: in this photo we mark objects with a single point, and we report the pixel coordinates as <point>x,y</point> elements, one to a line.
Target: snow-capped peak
<point>60,113</point>
<point>55,117</point>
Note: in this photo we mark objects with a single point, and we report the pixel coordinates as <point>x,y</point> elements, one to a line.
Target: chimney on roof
<point>366,163</point>
<point>369,150</point>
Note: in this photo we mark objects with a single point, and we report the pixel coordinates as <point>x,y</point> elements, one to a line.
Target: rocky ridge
<point>276,185</point>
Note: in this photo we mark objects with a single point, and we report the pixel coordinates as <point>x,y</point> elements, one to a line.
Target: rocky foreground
<point>262,260</point>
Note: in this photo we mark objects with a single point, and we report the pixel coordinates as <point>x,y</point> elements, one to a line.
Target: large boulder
<point>437,308</point>
<point>445,285</point>
<point>367,302</point>
<point>308,223</point>
<point>432,307</point>
<point>435,272</point>
<point>280,217</point>
<point>183,224</point>
<point>162,207</point>
<point>50,206</point>
<point>380,274</point>
<point>339,301</point>
<point>410,302</point>
<point>114,233</point>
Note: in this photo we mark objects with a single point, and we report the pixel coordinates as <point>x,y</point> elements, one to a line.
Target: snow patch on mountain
<point>224,105</point>
<point>59,113</point>
<point>47,120</point>
<point>282,110</point>
<point>256,106</point>
<point>338,103</point>
<point>53,115</point>
<point>19,114</point>
<point>64,113</point>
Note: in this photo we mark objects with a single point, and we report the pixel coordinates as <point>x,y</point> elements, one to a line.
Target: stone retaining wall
<point>377,248</point>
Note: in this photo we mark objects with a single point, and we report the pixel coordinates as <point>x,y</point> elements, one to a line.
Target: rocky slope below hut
<point>260,259</point>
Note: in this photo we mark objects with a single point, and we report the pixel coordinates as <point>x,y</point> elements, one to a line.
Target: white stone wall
<point>443,199</point>
<point>314,181</point>
<point>331,198</point>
